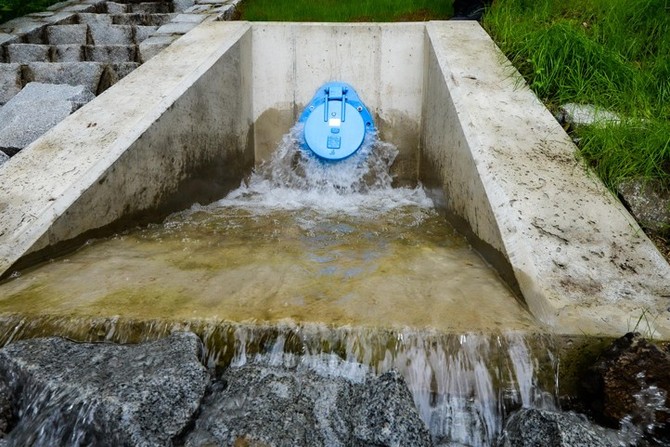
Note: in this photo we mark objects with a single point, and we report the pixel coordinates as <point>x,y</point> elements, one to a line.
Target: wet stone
<point>103,394</point>
<point>532,427</point>
<point>312,401</point>
<point>67,34</point>
<point>23,53</point>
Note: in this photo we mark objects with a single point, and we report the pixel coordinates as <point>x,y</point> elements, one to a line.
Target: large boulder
<point>308,403</point>
<point>67,393</point>
<point>630,383</point>
<point>532,427</point>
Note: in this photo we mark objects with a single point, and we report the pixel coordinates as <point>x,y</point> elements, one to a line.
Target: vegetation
<point>10,9</point>
<point>614,54</point>
<point>345,10</point>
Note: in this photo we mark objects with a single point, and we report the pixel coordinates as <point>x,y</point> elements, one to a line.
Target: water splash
<point>295,179</point>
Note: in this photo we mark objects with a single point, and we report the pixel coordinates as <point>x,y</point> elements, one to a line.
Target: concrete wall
<point>172,133</point>
<point>384,63</point>
<point>509,174</point>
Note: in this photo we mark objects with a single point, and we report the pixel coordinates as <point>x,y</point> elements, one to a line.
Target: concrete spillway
<point>189,125</point>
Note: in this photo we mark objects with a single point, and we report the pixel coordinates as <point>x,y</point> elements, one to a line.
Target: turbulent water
<point>307,257</point>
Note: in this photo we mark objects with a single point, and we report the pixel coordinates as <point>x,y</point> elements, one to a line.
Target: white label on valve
<point>334,122</point>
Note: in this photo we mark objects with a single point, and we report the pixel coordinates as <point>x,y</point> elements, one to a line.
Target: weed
<point>644,325</point>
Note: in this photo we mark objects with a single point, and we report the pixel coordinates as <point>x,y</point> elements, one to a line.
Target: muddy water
<point>405,267</point>
<point>301,240</point>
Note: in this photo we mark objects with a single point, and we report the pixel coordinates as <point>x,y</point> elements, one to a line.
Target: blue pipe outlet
<point>335,122</point>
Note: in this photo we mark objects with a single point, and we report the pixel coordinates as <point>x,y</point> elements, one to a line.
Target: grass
<point>614,54</point>
<point>10,9</point>
<point>344,10</point>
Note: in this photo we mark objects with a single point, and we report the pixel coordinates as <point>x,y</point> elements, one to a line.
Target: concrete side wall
<point>172,133</point>
<point>510,172</point>
<point>384,63</point>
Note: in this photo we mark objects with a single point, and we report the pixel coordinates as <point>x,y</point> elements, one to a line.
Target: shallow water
<point>300,240</point>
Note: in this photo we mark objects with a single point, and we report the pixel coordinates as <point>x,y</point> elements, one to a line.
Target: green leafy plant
<point>10,9</point>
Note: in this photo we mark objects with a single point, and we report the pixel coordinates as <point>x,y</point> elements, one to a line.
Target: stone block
<point>23,53</point>
<point>100,19</point>
<point>176,28</point>
<point>10,81</point>
<point>115,72</point>
<point>151,8</point>
<point>79,8</point>
<point>181,5</point>
<point>72,73</point>
<point>111,34</point>
<point>197,9</point>
<point>30,28</point>
<point>3,157</point>
<point>224,12</point>
<point>62,18</point>
<point>59,5</point>
<point>189,18</point>
<point>111,53</point>
<point>67,53</point>
<point>117,8</point>
<point>6,39</point>
<point>142,19</point>
<point>35,110</point>
<point>67,34</point>
<point>142,33</point>
<point>154,45</point>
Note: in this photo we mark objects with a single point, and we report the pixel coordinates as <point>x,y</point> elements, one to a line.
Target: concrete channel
<point>189,124</point>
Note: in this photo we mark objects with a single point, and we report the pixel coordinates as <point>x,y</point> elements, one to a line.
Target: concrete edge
<point>510,171</point>
<point>76,154</point>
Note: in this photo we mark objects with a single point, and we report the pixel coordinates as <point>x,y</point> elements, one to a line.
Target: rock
<point>154,45</point>
<point>531,428</point>
<point>10,81</point>
<point>649,202</point>
<point>585,115</point>
<point>67,34</point>
<point>143,32</point>
<point>102,394</point>
<point>151,7</point>
<point>72,73</point>
<point>176,28</point>
<point>116,8</point>
<point>3,158</point>
<point>111,53</point>
<point>309,403</point>
<point>22,53</point>
<point>181,5</point>
<point>35,110</point>
<point>111,34</point>
<point>630,381</point>
<point>68,53</point>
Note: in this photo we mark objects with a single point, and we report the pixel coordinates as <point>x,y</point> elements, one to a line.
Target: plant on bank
<point>614,54</point>
<point>10,9</point>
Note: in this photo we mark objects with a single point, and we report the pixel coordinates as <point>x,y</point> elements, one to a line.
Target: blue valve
<point>335,122</point>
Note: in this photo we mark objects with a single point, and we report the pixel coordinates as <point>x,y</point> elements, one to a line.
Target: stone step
<point>141,19</point>
<point>176,28</point>
<point>67,34</point>
<point>111,53</point>
<point>67,53</point>
<point>87,19</point>
<point>181,5</point>
<point>117,8</point>
<point>23,53</point>
<point>73,73</point>
<point>154,45</point>
<point>10,81</point>
<point>114,73</point>
<point>111,34</point>
<point>35,110</point>
<point>151,7</point>
<point>142,33</point>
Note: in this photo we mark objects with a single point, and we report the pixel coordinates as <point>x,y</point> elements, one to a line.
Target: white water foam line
<point>221,97</point>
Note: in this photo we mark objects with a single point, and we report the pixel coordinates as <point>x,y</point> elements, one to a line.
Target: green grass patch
<point>614,54</point>
<point>10,9</point>
<point>344,10</point>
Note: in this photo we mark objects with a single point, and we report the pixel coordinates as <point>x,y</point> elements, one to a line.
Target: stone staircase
<point>91,44</point>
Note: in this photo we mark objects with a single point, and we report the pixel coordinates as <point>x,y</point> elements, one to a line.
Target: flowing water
<point>309,257</point>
